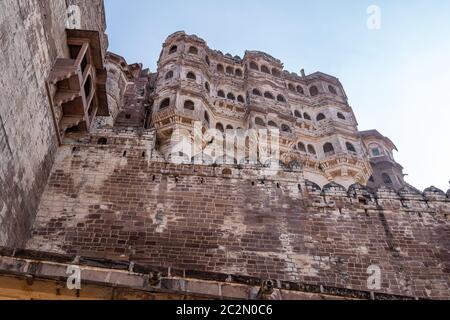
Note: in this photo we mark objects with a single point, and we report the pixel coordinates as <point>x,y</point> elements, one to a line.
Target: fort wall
<point>32,37</point>
<point>113,201</point>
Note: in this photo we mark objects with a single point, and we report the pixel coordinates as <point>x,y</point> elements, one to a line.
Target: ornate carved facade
<point>94,178</point>
<point>317,126</point>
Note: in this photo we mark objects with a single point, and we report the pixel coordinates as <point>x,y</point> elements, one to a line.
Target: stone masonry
<point>115,196</point>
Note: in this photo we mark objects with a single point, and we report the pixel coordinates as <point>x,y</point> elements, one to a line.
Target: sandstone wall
<point>32,36</point>
<point>111,201</point>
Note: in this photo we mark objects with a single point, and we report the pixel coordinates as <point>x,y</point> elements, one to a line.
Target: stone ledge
<point>28,264</point>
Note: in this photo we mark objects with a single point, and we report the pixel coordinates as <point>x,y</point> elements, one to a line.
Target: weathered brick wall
<point>32,36</point>
<point>112,202</point>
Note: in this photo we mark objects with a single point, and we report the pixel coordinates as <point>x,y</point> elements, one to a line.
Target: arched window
<point>276,72</point>
<point>280,98</point>
<point>189,105</point>
<point>332,89</point>
<point>375,150</point>
<point>169,75</point>
<point>164,104</point>
<point>265,69</point>
<point>191,76</point>
<point>173,49</point>
<point>311,150</point>
<point>260,122</point>
<point>193,50</point>
<point>254,66</point>
<point>207,118</point>
<point>313,91</point>
<point>350,147</point>
<point>286,128</point>
<point>238,73</point>
<point>221,94</point>
<point>341,116</point>
<point>256,92</point>
<point>240,99</point>
<point>301,147</point>
<point>230,127</point>
<point>230,70</point>
<point>207,87</point>
<point>371,179</point>
<point>320,117</point>
<point>298,114</point>
<point>220,68</point>
<point>386,178</point>
<point>328,148</point>
<point>291,87</point>
<point>231,96</point>
<point>300,90</point>
<point>272,124</point>
<point>219,127</point>
<point>306,116</point>
<point>207,60</point>
<point>268,95</point>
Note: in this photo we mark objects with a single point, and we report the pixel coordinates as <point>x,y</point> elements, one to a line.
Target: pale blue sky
<point>397,78</point>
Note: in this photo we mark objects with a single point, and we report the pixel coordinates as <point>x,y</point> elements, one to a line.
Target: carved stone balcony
<point>77,85</point>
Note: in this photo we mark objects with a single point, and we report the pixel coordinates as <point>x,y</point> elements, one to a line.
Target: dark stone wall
<point>103,202</point>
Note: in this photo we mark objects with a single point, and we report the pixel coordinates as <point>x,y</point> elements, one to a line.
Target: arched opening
<point>219,127</point>
<point>321,117</point>
<point>193,50</point>
<point>191,76</point>
<point>265,69</point>
<point>220,68</point>
<point>207,118</point>
<point>207,60</point>
<point>207,87</point>
<point>230,70</point>
<point>102,141</point>
<point>341,116</point>
<point>286,128</point>
<point>238,73</point>
<point>332,90</point>
<point>231,96</point>
<point>313,91</point>
<point>280,98</point>
<point>173,49</point>
<point>221,94</point>
<point>311,150</point>
<point>328,149</point>
<point>189,105</point>
<point>300,90</point>
<point>230,127</point>
<point>306,116</point>
<point>297,114</point>
<point>272,124</point>
<point>350,147</point>
<point>276,72</point>
<point>256,92</point>
<point>260,122</point>
<point>268,95</point>
<point>169,75</point>
<point>291,87</point>
<point>241,99</point>
<point>301,147</point>
<point>164,104</point>
<point>254,66</point>
<point>386,178</point>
